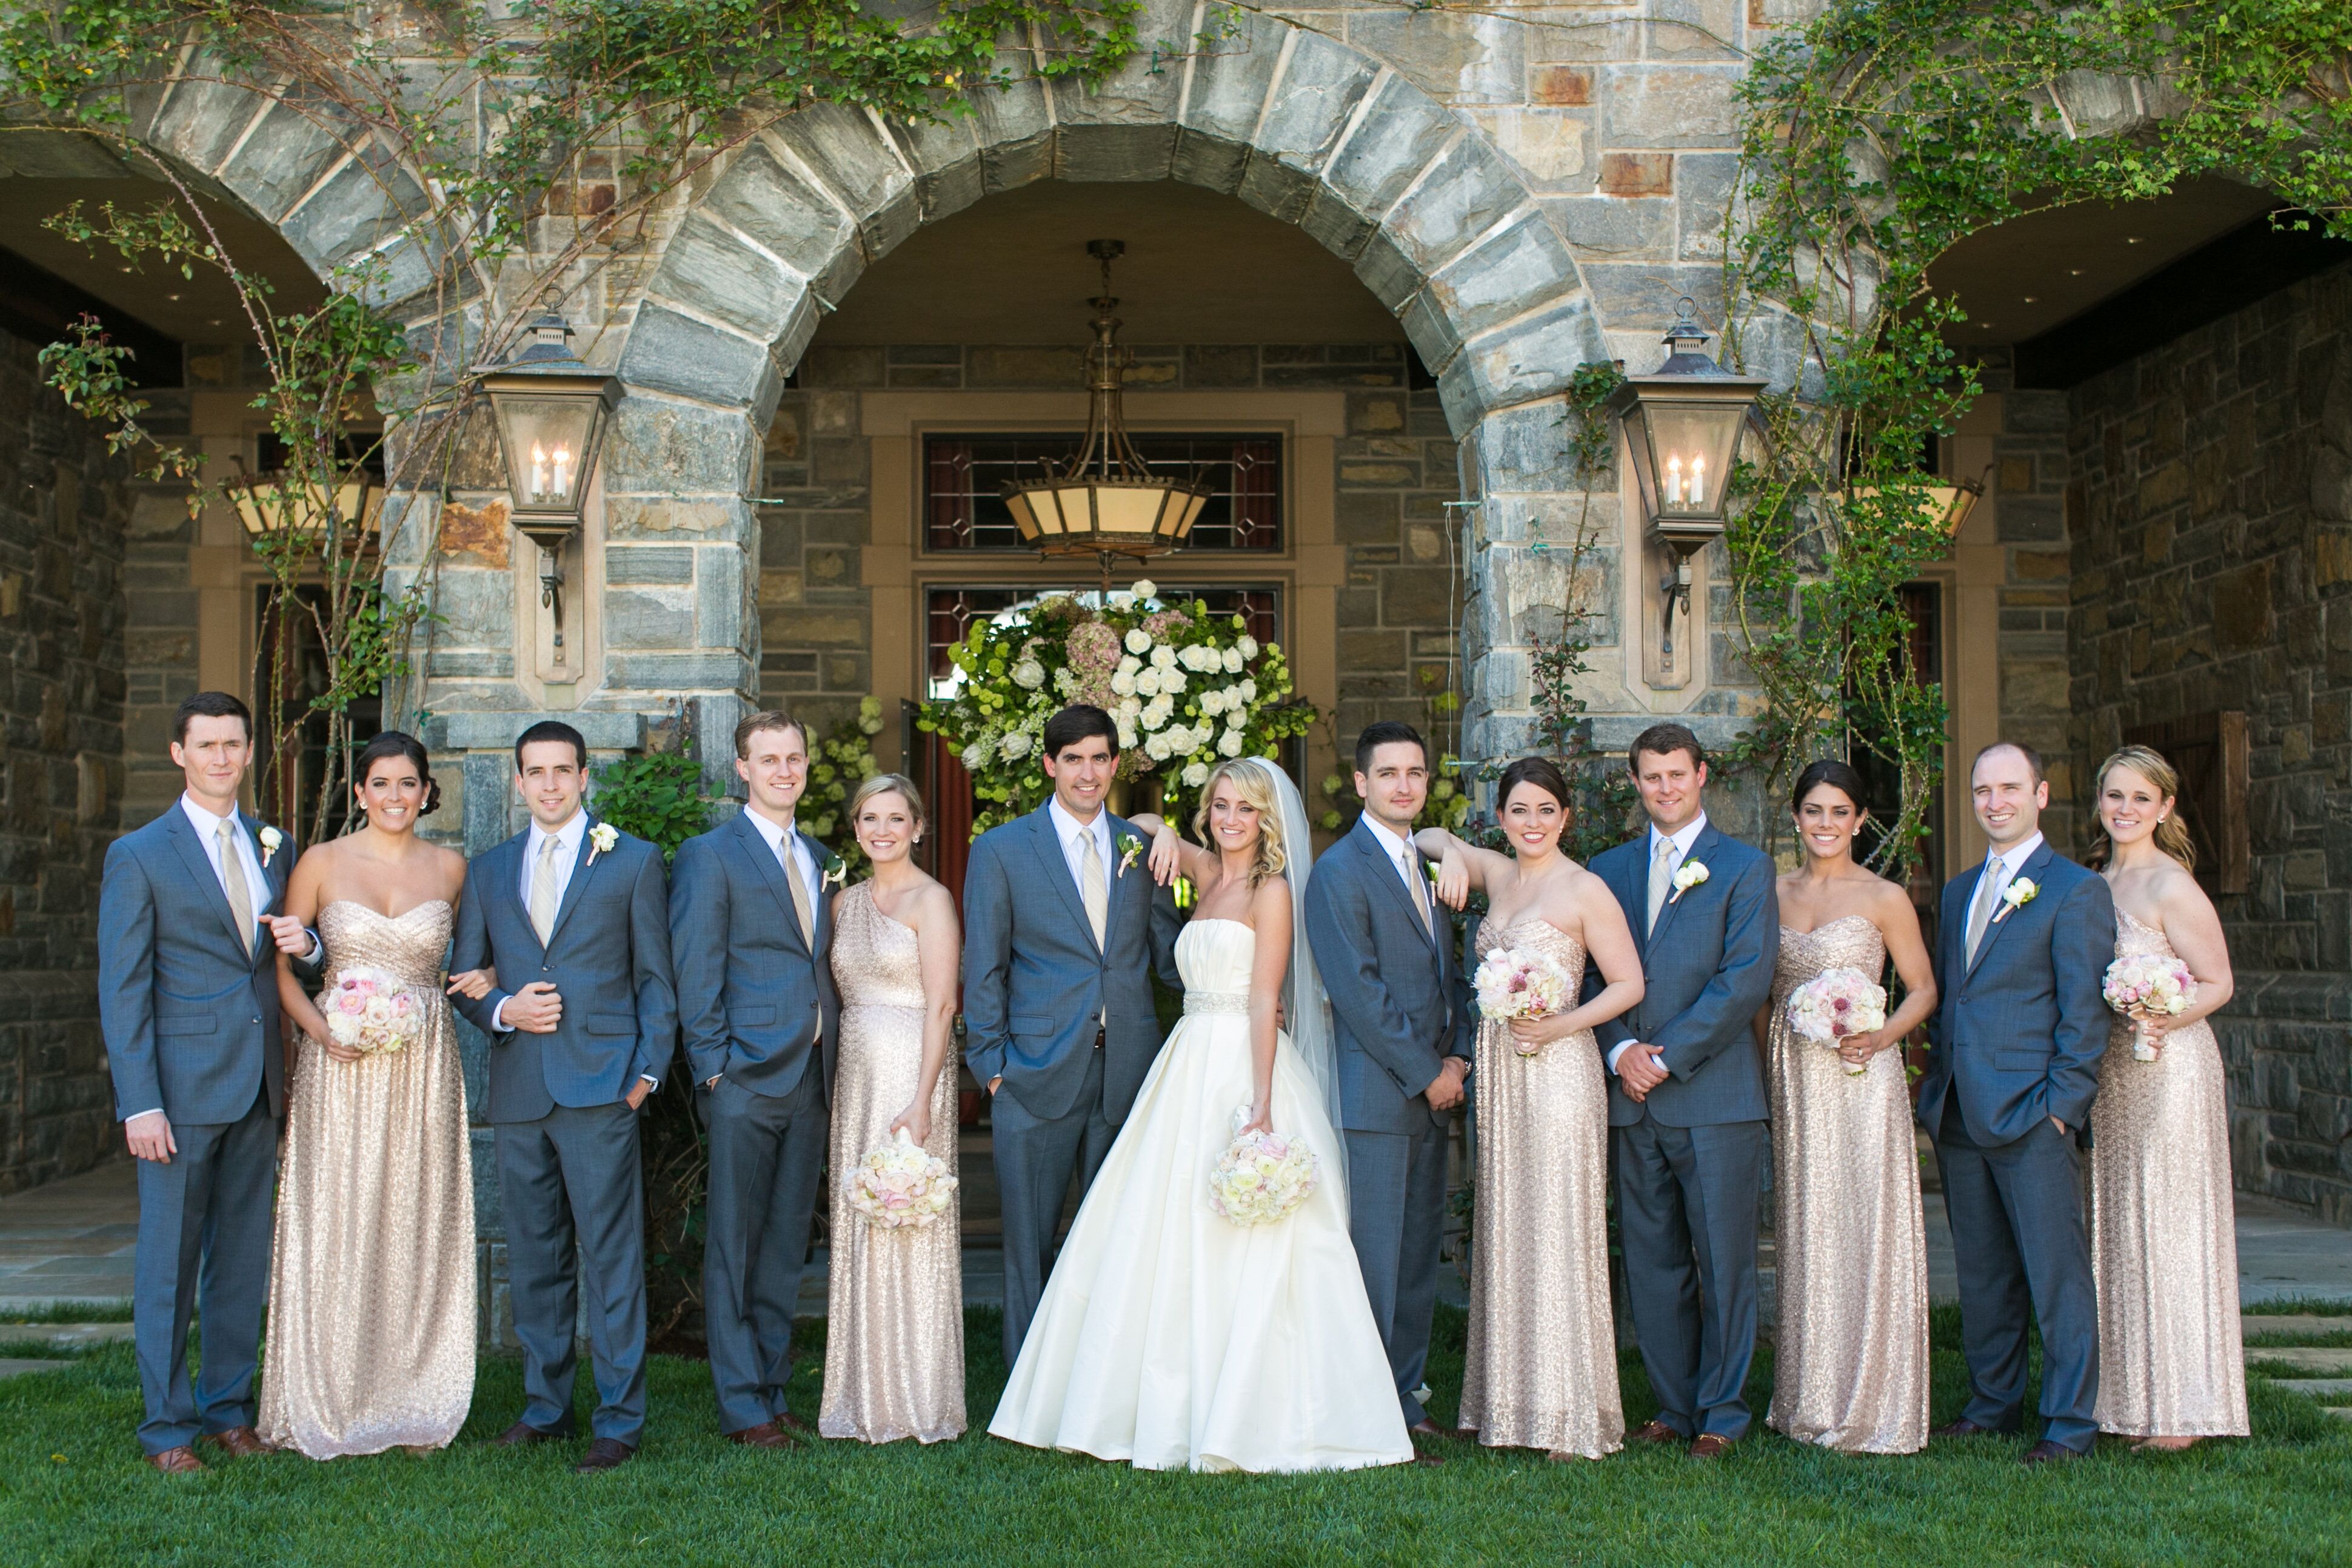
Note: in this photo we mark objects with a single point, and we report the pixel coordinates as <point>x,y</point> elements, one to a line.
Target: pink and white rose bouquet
<point>1836,1005</point>
<point>372,1010</point>
<point>1262,1177</point>
<point>2145,985</point>
<point>1517,983</point>
<point>900,1185</point>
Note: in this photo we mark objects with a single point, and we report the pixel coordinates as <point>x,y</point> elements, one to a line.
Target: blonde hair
<point>887,784</point>
<point>2171,833</point>
<point>1253,781</point>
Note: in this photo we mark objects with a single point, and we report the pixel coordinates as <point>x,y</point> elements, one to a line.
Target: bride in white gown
<point>1168,1337</point>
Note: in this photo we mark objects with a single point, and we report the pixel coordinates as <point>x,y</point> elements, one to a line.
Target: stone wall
<point>64,506</point>
<point>2213,570</point>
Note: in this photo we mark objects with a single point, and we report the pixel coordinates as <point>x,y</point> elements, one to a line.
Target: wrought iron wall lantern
<point>551,410</point>
<point>1106,502</point>
<point>1682,423</point>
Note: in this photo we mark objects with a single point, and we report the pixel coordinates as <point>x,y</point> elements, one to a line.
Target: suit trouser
<point>204,1233</point>
<point>1396,1217</point>
<point>573,1196</point>
<point>767,1169</point>
<point>1035,1157</point>
<point>2019,1248</point>
<point>1686,1206</point>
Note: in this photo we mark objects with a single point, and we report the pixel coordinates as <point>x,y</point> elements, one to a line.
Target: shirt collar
<point>567,837</point>
<point>201,816</point>
<point>1065,825</point>
<point>2013,858</point>
<point>775,835</point>
<point>1684,837</point>
<point>1394,843</point>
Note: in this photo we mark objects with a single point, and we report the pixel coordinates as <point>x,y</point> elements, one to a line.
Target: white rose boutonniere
<point>1130,846</point>
<point>2015,896</point>
<point>1692,873</point>
<point>602,837</point>
<point>270,839</point>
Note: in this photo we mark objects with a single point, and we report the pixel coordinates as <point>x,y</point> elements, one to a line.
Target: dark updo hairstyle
<point>395,743</point>
<point>1539,771</point>
<point>1838,775</point>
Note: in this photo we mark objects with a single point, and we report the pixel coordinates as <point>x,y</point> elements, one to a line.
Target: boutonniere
<point>1690,876</point>
<point>1130,846</point>
<point>2015,896</point>
<point>837,871</point>
<point>270,839</point>
<point>602,837</point>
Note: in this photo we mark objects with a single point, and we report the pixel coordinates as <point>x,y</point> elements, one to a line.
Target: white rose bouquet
<point>372,1010</point>
<point>1836,1005</point>
<point>1515,983</point>
<point>2148,985</point>
<point>900,1185</point>
<point>1262,1177</point>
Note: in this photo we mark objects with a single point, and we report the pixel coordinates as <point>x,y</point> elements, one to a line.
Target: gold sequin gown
<point>1541,1372</point>
<point>371,1322</point>
<point>894,1329</point>
<point>2164,1239</point>
<point>1849,1367</point>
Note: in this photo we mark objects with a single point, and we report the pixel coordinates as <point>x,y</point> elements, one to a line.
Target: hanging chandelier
<point>1105,502</point>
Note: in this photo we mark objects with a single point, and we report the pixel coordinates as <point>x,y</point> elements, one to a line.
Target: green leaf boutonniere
<point>1130,846</point>
<point>837,871</point>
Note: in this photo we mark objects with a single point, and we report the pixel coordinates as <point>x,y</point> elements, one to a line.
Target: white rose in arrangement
<point>1164,657</point>
<point>1172,680</point>
<point>1028,675</point>
<point>1248,690</point>
<point>1230,744</point>
<point>1232,661</point>
<point>1148,683</point>
<point>1212,703</point>
<point>1199,657</point>
<point>1145,589</point>
<point>976,755</point>
<point>1123,684</point>
<point>1246,647</point>
<point>1128,663</point>
<point>1128,738</point>
<point>1195,774</point>
<point>1156,712</point>
<point>1156,746</point>
<point>1128,709</point>
<point>1138,641</point>
<point>1015,747</point>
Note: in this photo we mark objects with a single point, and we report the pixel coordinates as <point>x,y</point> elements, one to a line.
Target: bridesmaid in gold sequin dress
<point>894,1330</point>
<point>1850,1365</point>
<point>2164,1242</point>
<point>1541,1371</point>
<point>372,1277</point>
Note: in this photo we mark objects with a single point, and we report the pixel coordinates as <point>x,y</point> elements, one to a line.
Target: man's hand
<point>293,937</point>
<point>994,1084</point>
<point>2060,1126</point>
<point>149,1133</point>
<point>1641,1069</point>
<point>1444,1090</point>
<point>638,1091</point>
<point>536,1009</point>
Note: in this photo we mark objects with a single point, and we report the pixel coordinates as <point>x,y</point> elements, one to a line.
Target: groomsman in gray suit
<point>750,931</point>
<point>1386,954</point>
<point>574,917</point>
<point>1687,1093</point>
<point>2022,956</point>
<point>187,998</point>
<point>1062,928</point>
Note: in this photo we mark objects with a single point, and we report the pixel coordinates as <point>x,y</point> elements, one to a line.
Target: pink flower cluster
<point>900,1185</point>
<point>1262,1177</point>
<point>2145,985</point>
<point>372,1010</point>
<point>1515,983</point>
<point>1835,1004</point>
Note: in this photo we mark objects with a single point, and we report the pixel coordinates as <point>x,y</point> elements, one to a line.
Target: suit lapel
<point>1385,872</point>
<point>1048,845</point>
<point>509,878</point>
<point>584,866</point>
<point>772,871</point>
<point>1701,847</point>
<point>200,868</point>
<point>1999,921</point>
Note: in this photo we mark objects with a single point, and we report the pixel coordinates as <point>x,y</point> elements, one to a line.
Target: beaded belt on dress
<point>1216,1002</point>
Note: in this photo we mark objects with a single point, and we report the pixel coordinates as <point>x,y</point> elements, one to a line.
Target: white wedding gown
<point>1169,1337</point>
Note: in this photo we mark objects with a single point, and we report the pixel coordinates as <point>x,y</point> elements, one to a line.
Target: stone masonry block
<point>362,204</point>
<point>1144,91</point>
<point>284,155</point>
<point>718,273</point>
<point>847,151</point>
<point>1091,152</point>
<point>666,448</point>
<point>1318,90</point>
<point>1518,268</point>
<point>1455,58</point>
<point>649,618</point>
<point>670,352</point>
<point>1015,127</point>
<point>1226,95</point>
<point>1383,268</point>
<point>945,157</point>
<point>639,564</point>
<point>203,118</point>
<point>762,195</point>
<point>1401,131</point>
<point>1466,193</point>
<point>709,670</point>
<point>1662,105</point>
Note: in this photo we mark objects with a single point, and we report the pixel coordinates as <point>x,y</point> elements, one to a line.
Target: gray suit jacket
<point>2018,1034</point>
<point>1034,982</point>
<point>189,1012</point>
<point>754,1002</point>
<point>1707,968</point>
<point>1397,1003</point>
<point>608,957</point>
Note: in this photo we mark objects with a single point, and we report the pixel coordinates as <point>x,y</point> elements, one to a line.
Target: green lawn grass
<point>70,1312</point>
<point>73,1490</point>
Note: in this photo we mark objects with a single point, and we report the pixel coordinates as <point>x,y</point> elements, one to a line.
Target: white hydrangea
<point>1138,641</point>
<point>1122,684</point>
<point>1232,661</point>
<point>1230,743</point>
<point>1172,680</point>
<point>1015,747</point>
<point>1145,589</point>
<point>1246,647</point>
<point>1195,774</point>
<point>1066,681</point>
<point>1248,689</point>
<point>1029,674</point>
<point>1164,657</point>
<point>1147,682</point>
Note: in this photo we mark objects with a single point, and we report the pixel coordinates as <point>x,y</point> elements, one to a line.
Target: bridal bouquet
<point>1514,983</point>
<point>2141,985</point>
<point>1262,1177</point>
<point>1835,1004</point>
<point>900,1185</point>
<point>372,1010</point>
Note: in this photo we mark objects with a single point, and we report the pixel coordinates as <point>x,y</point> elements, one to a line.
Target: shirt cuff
<point>318,949</point>
<point>498,1024</point>
<point>151,1111</point>
<point>649,1080</point>
<point>1617,1050</point>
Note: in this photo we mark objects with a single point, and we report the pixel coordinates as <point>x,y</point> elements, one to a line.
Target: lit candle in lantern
<point>1673,479</point>
<point>1697,481</point>
<point>563,480</point>
<point>538,471</point>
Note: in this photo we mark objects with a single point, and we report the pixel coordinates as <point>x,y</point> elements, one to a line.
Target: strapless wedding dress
<point>1171,1338</point>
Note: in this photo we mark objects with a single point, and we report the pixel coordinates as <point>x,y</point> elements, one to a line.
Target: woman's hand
<point>339,1050</point>
<point>1856,1050</point>
<point>1167,855</point>
<point>1533,1034</point>
<point>1453,880</point>
<point>915,1120</point>
<point>1261,1116</point>
<point>293,937</point>
<point>2152,1028</point>
<point>474,984</point>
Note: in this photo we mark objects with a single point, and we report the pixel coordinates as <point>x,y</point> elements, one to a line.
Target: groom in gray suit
<point>1386,954</point>
<point>574,917</point>
<point>1687,1093</point>
<point>2021,954</point>
<point>1062,928</point>
<point>187,999</point>
<point>751,934</point>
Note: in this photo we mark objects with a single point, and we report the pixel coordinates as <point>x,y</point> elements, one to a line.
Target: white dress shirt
<point>207,822</point>
<point>1072,835</point>
<point>567,856</point>
<point>1682,837</point>
<point>791,853</point>
<point>2003,867</point>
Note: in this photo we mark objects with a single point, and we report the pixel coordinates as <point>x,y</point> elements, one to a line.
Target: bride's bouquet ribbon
<point>900,1185</point>
<point>1835,1006</point>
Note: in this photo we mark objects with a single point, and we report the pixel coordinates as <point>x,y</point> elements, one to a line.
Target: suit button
<point>545,969</point>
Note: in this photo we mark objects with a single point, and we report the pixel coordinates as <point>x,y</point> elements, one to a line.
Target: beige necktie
<point>1989,886</point>
<point>1093,890</point>
<point>800,911</point>
<point>542,890</point>
<point>1662,880</point>
<point>233,883</point>
<point>1420,886</point>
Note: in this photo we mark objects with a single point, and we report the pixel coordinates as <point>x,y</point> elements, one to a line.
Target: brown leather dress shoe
<point>522,1435</point>
<point>179,1461</point>
<point>1709,1446</point>
<point>240,1442</point>
<point>604,1454</point>
<point>766,1434</point>
<point>792,1423</point>
<point>1426,1460</point>
<point>2046,1452</point>
<point>1654,1432</point>
<point>1963,1428</point>
<point>1425,1428</point>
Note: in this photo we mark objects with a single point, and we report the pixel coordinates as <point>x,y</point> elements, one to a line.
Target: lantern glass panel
<point>1690,455</point>
<point>547,439</point>
<point>1128,509</point>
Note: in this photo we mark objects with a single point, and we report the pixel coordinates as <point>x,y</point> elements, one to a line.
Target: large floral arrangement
<point>838,763</point>
<point>1187,688</point>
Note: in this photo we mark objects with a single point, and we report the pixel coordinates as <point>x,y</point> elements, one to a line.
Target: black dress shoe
<point>604,1454</point>
<point>522,1435</point>
<point>2046,1452</point>
<point>1963,1428</point>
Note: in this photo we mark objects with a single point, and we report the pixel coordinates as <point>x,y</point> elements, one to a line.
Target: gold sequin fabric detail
<point>371,1322</point>
<point>2164,1240</point>
<point>894,1332</point>
<point>1850,1366</point>
<point>1541,1372</point>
